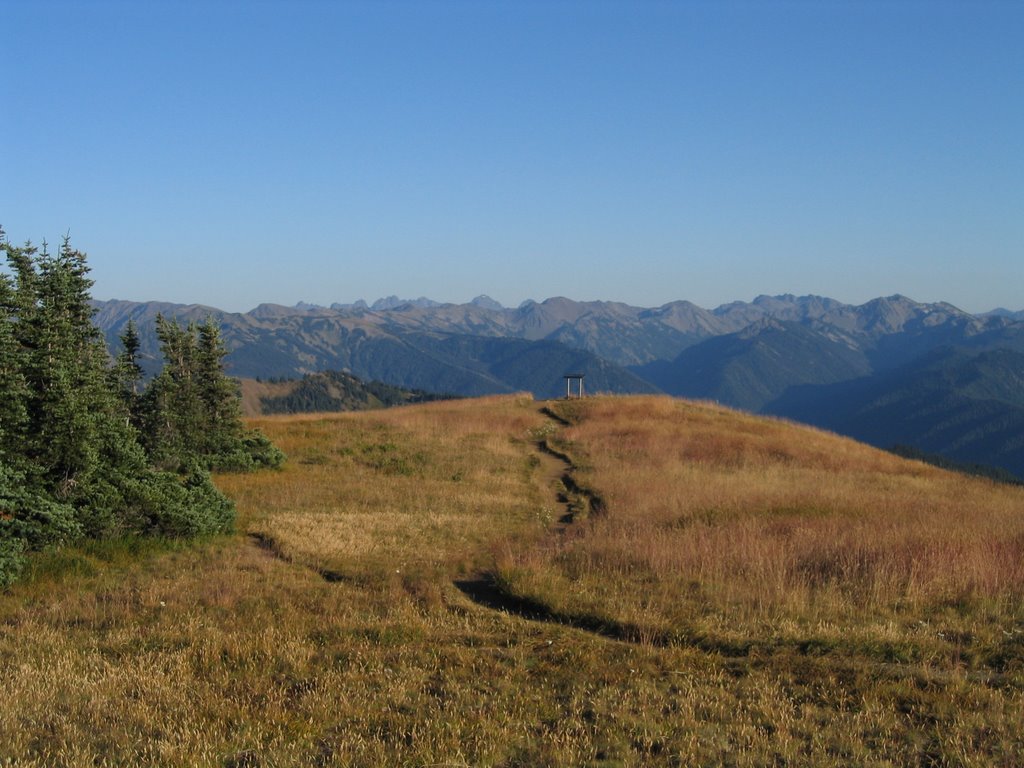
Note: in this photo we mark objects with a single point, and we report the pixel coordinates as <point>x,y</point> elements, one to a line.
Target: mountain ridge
<point>622,333</point>
<point>751,355</point>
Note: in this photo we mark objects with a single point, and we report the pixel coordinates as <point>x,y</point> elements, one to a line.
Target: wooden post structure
<point>569,379</point>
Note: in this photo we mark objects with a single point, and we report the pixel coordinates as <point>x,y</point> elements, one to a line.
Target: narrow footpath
<point>572,502</point>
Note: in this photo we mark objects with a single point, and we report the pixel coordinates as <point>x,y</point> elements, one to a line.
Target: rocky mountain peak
<point>486,302</point>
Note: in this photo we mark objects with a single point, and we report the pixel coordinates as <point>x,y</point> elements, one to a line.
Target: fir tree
<point>82,451</point>
<point>191,410</point>
<point>71,459</point>
<point>13,390</point>
<point>219,394</point>
<point>66,372</point>
<point>172,409</point>
<point>127,372</point>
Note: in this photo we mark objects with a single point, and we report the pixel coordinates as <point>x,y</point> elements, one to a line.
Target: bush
<point>32,517</point>
<point>212,511</point>
<point>28,520</point>
<point>254,451</point>
<point>182,507</point>
<point>12,559</point>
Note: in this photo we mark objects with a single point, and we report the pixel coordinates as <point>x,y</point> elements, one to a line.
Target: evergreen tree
<point>29,516</point>
<point>29,519</point>
<point>71,459</point>
<point>19,310</point>
<point>191,410</point>
<point>127,372</point>
<point>64,371</point>
<point>22,264</point>
<point>173,420</point>
<point>82,450</point>
<point>219,394</point>
<point>13,390</point>
<point>229,446</point>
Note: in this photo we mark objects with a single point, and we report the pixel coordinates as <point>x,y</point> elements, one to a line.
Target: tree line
<point>88,449</point>
<point>327,391</point>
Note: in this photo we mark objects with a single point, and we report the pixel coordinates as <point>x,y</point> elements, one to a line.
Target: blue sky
<point>231,153</point>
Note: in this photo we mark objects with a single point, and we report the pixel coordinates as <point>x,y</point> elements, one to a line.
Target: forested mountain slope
<point>326,391</point>
<point>754,366</point>
<point>967,406</point>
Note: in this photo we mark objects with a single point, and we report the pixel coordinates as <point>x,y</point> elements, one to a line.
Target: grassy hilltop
<point>613,581</point>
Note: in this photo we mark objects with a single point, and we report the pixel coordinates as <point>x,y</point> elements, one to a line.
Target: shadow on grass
<point>268,544</point>
<point>484,590</point>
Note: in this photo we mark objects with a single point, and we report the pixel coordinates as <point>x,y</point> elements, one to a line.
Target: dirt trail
<point>268,544</point>
<point>569,501</point>
<point>555,475</point>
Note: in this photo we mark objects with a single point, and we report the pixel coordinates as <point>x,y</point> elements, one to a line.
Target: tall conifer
<point>13,391</point>
<point>66,372</point>
<point>222,413</point>
<point>127,372</point>
<point>173,409</point>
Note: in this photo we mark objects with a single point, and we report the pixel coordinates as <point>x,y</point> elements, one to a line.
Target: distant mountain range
<point>889,371</point>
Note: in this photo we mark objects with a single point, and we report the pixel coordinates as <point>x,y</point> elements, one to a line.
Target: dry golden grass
<point>429,488</point>
<point>227,653</point>
<point>745,535</point>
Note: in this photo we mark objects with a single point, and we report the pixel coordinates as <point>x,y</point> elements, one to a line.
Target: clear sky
<point>231,153</point>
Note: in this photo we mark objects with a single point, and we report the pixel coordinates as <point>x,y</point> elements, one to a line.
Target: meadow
<point>606,582</point>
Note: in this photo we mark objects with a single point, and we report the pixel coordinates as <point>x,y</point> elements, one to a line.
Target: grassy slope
<point>332,391</point>
<point>253,392</point>
<point>797,599</point>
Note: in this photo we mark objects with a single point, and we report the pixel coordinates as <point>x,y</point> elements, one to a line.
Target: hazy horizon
<point>411,299</point>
